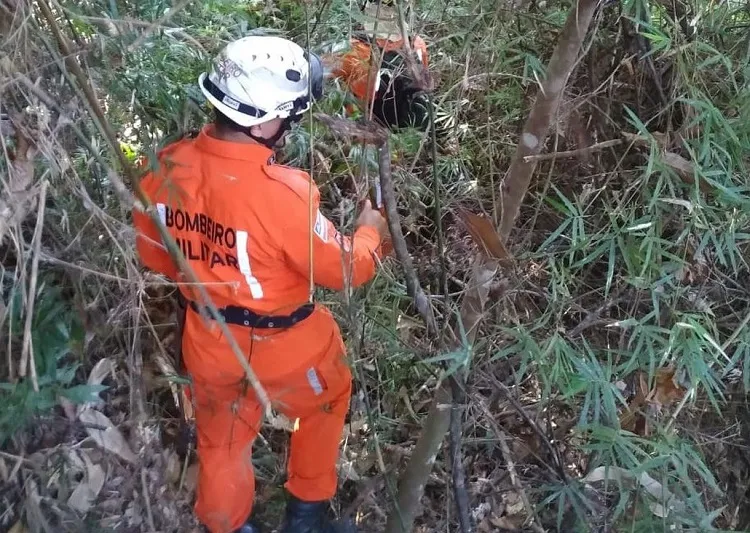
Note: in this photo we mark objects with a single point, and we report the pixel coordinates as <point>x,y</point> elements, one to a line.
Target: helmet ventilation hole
<point>293,75</point>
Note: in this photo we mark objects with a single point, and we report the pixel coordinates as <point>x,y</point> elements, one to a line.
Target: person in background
<point>253,233</point>
<point>397,96</point>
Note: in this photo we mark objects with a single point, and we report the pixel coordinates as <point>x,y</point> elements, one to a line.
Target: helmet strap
<point>270,142</point>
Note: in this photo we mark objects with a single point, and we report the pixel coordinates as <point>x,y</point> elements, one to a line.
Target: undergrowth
<point>607,388</point>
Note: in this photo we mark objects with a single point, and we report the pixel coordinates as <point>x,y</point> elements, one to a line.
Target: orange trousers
<point>304,372</point>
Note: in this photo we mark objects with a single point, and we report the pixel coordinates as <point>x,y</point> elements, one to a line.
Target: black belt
<point>241,316</point>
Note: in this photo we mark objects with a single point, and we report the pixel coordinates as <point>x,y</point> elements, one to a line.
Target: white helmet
<point>261,77</point>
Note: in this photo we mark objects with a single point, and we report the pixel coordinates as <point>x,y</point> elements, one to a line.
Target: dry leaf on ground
<point>664,393</point>
<point>101,370</point>
<point>666,389</point>
<point>666,500</point>
<point>504,522</point>
<point>18,527</point>
<point>99,373</point>
<point>69,408</point>
<point>88,489</point>
<point>686,170</point>
<point>513,503</point>
<point>679,164</point>
<point>347,471</point>
<point>34,514</point>
<point>103,431</point>
<point>484,235</point>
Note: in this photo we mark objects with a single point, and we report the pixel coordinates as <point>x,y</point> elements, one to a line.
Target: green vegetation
<point>607,385</point>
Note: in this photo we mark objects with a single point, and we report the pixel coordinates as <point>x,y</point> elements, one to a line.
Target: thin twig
<point>437,186</point>
<point>574,153</point>
<point>543,437</point>
<point>185,466</point>
<point>421,302</point>
<point>460,493</point>
<point>9,348</point>
<point>27,352</point>
<point>594,315</point>
<point>158,24</point>
<point>17,458</point>
<point>502,437</point>
<point>147,501</point>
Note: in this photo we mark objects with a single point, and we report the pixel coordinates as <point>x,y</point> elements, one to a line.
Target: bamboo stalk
<point>535,130</point>
<point>27,353</point>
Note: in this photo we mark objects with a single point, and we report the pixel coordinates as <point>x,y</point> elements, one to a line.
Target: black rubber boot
<point>248,528</point>
<point>310,517</point>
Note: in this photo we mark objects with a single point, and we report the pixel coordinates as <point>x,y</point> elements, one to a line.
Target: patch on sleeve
<point>343,242</point>
<point>321,227</point>
<point>312,379</point>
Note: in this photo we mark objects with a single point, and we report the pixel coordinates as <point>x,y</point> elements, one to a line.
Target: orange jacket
<point>355,64</point>
<point>244,223</point>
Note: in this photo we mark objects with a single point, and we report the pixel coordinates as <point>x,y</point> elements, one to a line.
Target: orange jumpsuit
<point>244,224</point>
<point>355,64</point>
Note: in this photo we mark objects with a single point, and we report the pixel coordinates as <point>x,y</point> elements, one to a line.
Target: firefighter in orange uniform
<point>245,224</point>
<point>397,98</point>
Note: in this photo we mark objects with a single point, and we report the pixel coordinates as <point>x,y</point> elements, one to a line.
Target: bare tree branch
<point>421,302</point>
